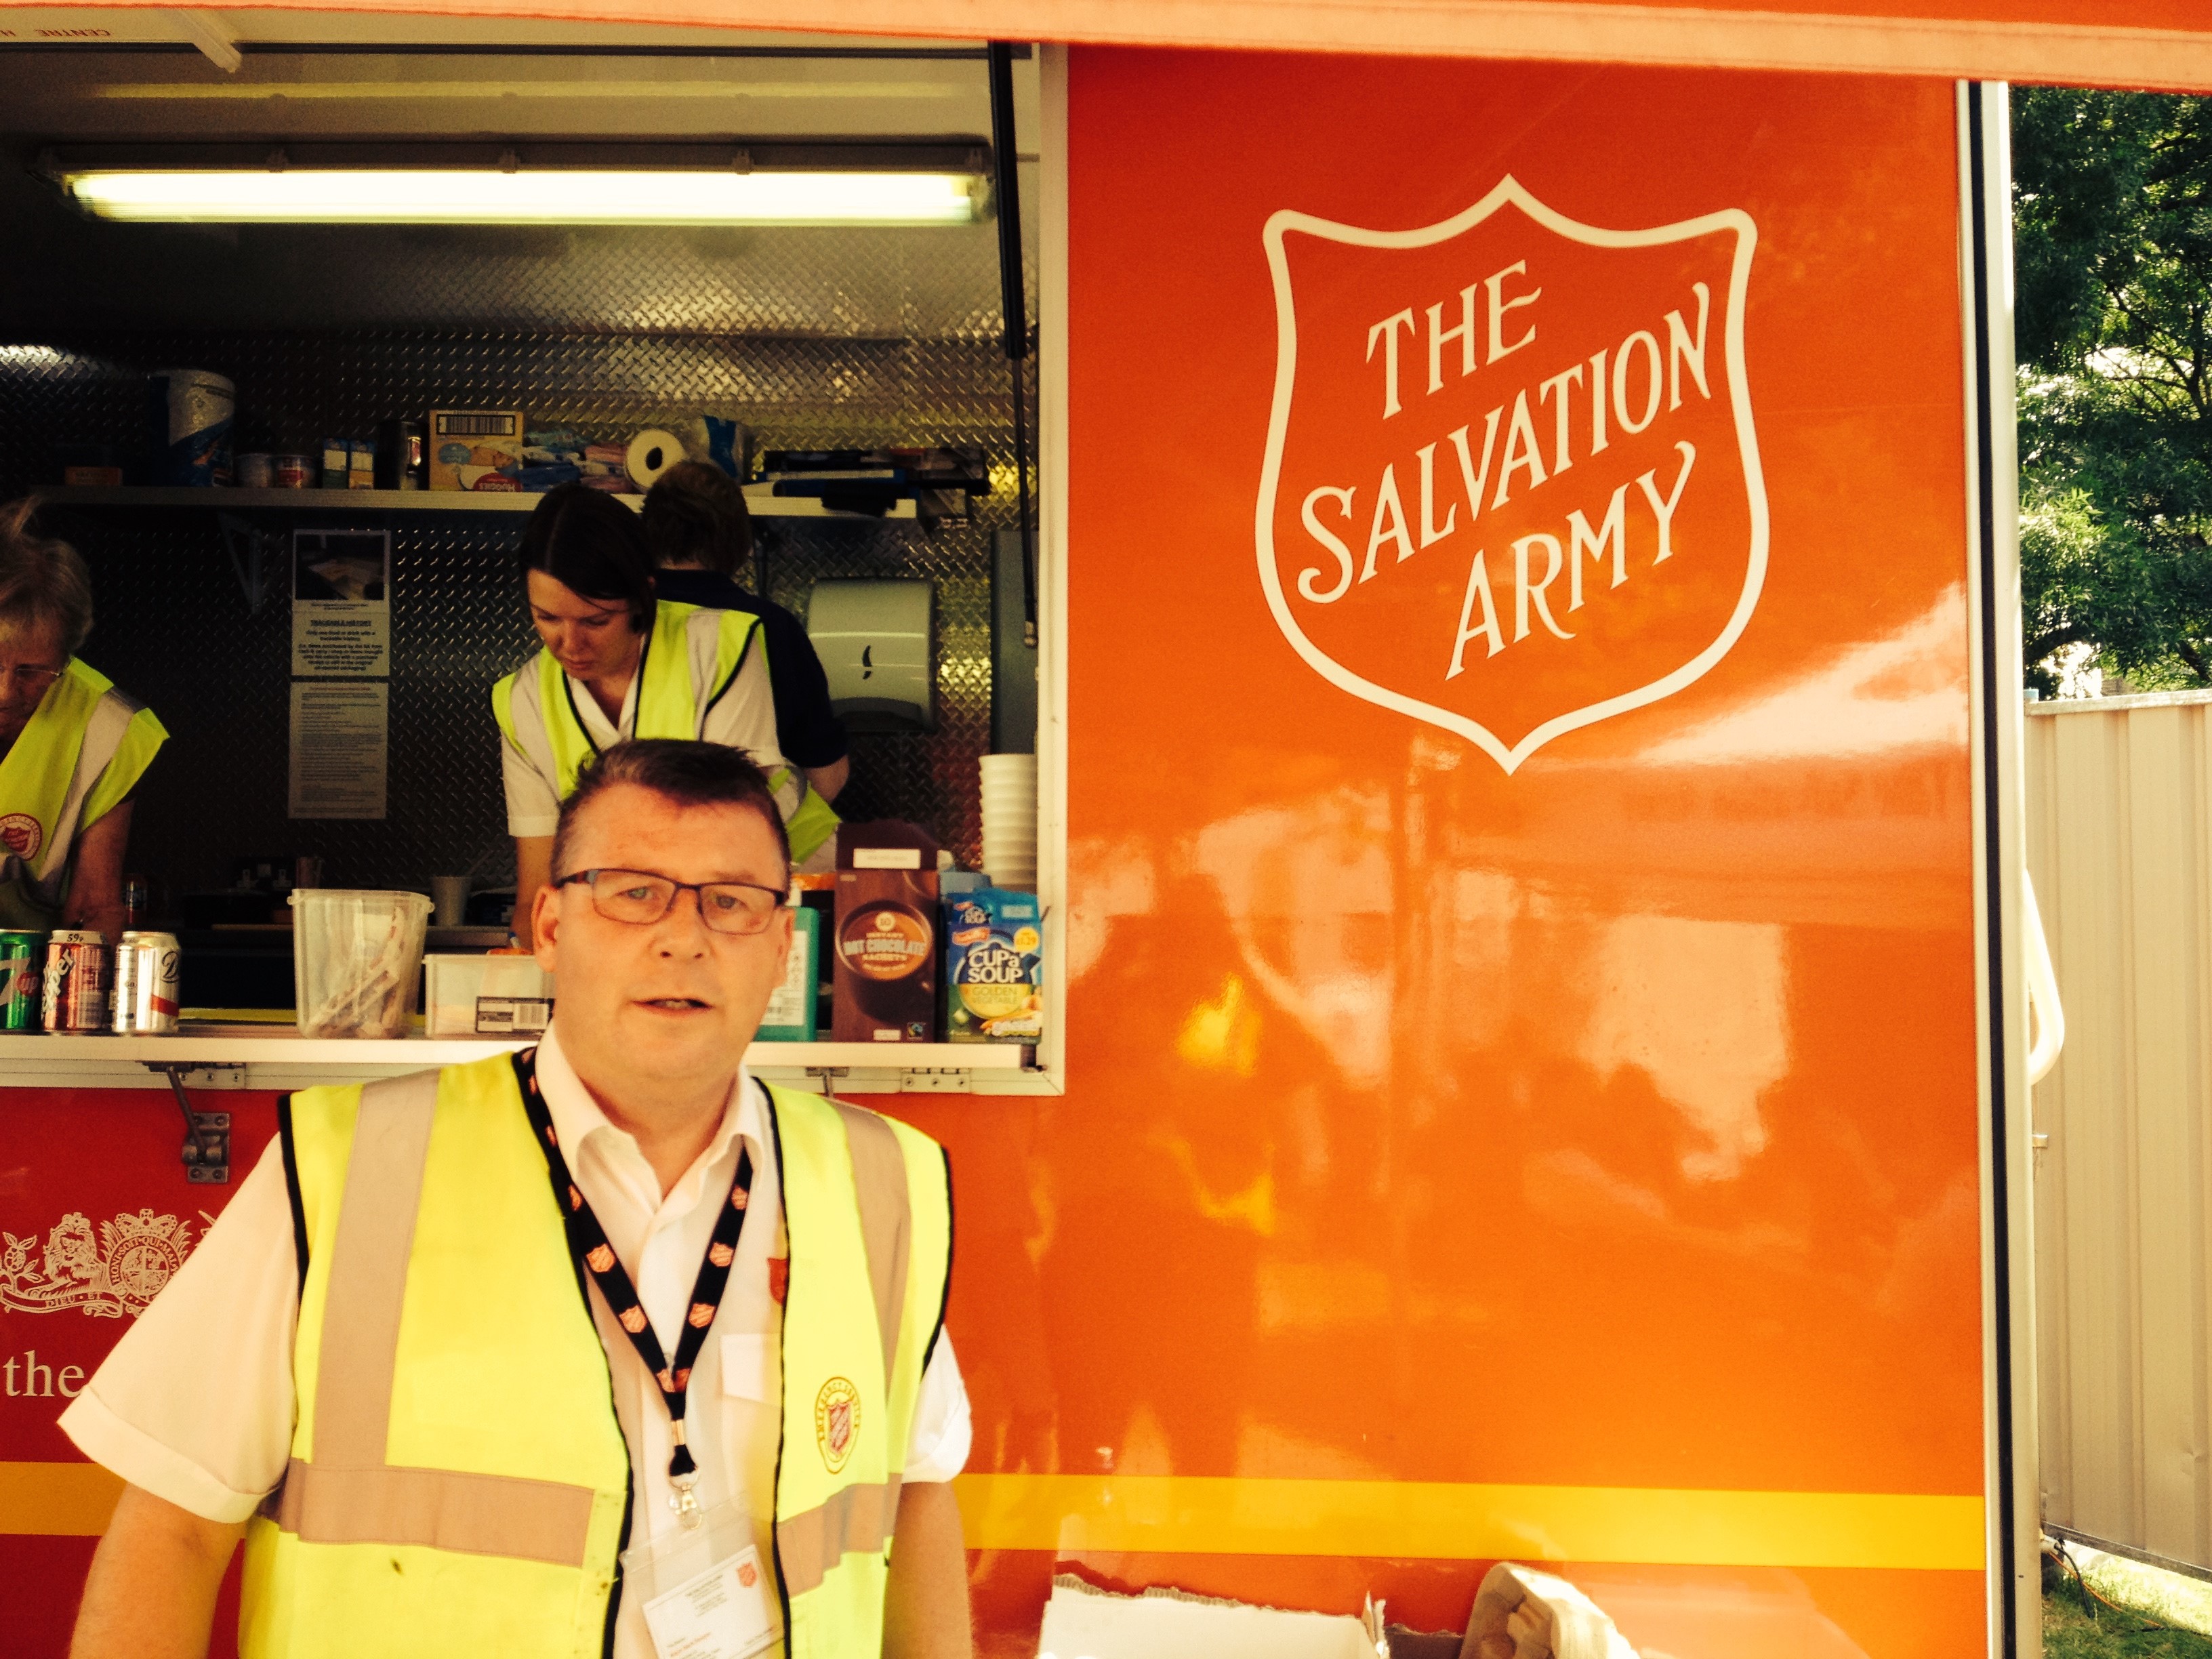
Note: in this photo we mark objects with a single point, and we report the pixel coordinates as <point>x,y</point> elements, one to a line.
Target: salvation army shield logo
<point>1512,485</point>
<point>836,1422</point>
<point>22,834</point>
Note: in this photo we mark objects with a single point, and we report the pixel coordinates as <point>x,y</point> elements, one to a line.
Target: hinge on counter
<point>937,1080</point>
<point>206,1151</point>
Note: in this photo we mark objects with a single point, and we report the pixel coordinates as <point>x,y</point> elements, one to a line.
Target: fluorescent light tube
<point>428,196</point>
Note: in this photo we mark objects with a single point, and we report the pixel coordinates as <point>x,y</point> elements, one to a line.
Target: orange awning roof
<point>2156,43</point>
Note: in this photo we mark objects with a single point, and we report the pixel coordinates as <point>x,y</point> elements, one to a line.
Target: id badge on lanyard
<point>596,1256</point>
<point>703,1588</point>
<point>705,1592</point>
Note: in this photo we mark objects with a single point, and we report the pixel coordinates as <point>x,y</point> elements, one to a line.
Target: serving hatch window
<point>789,246</point>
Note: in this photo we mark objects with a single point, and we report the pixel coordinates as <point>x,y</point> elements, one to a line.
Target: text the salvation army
<point>1543,428</point>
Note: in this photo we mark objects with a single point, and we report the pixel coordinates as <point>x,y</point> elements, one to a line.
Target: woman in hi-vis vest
<point>72,747</point>
<point>617,664</point>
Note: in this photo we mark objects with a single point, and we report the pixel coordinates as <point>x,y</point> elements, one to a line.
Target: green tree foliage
<point>2112,209</point>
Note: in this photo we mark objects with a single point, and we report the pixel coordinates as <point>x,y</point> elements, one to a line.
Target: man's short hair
<point>695,514</point>
<point>678,770</point>
<point>41,580</point>
<point>593,545</point>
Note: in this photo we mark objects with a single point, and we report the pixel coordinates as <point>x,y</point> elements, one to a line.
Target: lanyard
<point>588,1241</point>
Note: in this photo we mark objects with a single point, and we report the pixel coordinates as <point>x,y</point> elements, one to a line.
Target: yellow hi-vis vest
<point>458,1483</point>
<point>689,661</point>
<point>83,752</point>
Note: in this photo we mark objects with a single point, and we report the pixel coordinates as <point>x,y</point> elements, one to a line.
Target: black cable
<point>2066,1561</point>
<point>1013,302</point>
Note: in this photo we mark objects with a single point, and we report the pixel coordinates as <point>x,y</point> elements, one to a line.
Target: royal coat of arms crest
<point>104,1274</point>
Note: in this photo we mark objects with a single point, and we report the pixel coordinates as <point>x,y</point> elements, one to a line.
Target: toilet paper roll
<point>651,452</point>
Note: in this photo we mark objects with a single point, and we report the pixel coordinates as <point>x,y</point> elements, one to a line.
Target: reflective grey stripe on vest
<point>702,641</point>
<point>862,1516</point>
<point>348,1494</point>
<point>104,732</point>
<point>859,1517</point>
<point>886,1218</point>
<point>702,644</point>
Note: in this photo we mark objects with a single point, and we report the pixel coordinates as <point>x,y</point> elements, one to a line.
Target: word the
<point>39,1380</point>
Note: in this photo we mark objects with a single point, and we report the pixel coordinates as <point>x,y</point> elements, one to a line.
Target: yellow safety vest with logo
<point>83,752</point>
<point>458,1484</point>
<point>689,661</point>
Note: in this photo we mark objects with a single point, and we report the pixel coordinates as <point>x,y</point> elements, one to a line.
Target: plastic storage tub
<point>356,961</point>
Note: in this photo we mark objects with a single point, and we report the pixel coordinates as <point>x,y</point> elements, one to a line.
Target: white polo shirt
<point>196,1403</point>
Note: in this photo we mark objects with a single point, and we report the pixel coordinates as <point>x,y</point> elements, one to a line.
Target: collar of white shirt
<point>585,1129</point>
<point>604,732</point>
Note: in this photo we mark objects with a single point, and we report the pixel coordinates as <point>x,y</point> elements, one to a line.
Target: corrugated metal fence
<point>2119,844</point>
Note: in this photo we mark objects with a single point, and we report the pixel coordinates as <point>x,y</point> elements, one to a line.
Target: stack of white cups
<point>1009,820</point>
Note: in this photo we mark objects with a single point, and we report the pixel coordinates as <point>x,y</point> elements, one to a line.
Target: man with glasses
<point>600,1346</point>
<point>72,747</point>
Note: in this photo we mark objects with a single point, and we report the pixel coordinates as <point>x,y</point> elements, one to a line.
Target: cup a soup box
<point>994,967</point>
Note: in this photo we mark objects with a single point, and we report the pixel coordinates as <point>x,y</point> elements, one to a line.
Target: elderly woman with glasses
<point>72,747</point>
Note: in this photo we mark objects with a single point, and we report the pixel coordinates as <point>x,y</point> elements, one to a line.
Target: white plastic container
<point>482,995</point>
<point>356,961</point>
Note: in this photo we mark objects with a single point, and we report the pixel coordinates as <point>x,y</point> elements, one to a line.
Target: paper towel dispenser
<point>873,638</point>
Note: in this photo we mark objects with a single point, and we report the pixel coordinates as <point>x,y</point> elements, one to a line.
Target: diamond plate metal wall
<point>175,626</point>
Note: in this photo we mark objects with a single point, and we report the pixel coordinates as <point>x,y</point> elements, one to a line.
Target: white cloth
<point>744,719</point>
<point>196,1403</point>
<point>1572,1626</point>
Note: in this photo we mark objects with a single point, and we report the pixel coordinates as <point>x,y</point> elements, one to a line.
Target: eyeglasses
<point>29,676</point>
<point>641,898</point>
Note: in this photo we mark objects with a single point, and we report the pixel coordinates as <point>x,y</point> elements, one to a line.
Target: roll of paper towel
<point>651,452</point>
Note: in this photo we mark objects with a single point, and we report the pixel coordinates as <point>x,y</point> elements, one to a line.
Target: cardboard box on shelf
<point>994,967</point>
<point>475,448</point>
<point>885,947</point>
<point>791,1011</point>
<point>497,994</point>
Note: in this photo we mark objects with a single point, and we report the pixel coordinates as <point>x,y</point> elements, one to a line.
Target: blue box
<point>994,967</point>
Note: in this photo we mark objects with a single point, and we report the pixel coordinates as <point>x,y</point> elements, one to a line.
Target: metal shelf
<point>761,505</point>
<point>277,1057</point>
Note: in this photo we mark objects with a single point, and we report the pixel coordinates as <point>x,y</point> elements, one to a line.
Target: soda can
<point>76,992</point>
<point>22,965</point>
<point>146,984</point>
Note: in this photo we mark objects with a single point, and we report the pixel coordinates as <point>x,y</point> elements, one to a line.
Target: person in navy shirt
<point>700,534</point>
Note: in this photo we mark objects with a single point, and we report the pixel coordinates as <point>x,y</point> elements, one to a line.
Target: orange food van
<point>1530,819</point>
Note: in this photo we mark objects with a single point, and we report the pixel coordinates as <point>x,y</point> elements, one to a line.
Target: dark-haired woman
<point>619,664</point>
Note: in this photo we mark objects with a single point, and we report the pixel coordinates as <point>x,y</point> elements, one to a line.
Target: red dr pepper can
<point>76,980</point>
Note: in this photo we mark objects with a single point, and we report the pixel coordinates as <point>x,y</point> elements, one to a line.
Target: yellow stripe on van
<point>57,1500</point>
<point>1188,1515</point>
<point>1191,1514</point>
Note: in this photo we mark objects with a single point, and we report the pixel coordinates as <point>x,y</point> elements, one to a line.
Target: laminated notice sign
<point>342,603</point>
<point>340,735</point>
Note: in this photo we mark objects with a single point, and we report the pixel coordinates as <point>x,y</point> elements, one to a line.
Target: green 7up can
<point>23,970</point>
